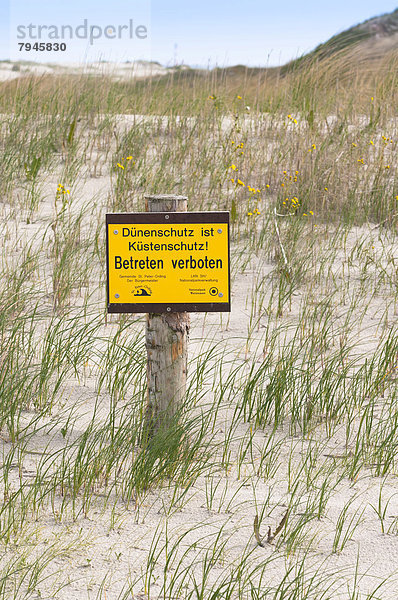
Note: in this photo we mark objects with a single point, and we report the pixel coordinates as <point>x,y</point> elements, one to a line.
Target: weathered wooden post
<point>166,344</point>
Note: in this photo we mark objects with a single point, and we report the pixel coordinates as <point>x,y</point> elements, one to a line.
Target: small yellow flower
<point>267,186</point>
<point>249,214</point>
<point>239,97</point>
<point>387,167</point>
<point>311,213</point>
<point>129,158</point>
<point>326,189</point>
<point>371,143</point>
<point>305,215</point>
<point>355,145</point>
<point>233,167</point>
<point>120,166</point>
<point>239,182</point>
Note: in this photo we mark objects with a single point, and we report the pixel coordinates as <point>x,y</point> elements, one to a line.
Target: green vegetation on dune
<point>384,26</point>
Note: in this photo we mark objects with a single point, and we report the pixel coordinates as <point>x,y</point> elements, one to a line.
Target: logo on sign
<point>143,291</point>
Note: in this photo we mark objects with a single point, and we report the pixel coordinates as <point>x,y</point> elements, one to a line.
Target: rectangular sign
<point>168,262</point>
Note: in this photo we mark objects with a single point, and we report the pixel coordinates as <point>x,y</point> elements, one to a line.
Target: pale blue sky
<point>252,32</point>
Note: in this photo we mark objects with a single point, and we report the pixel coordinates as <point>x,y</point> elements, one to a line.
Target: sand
<point>117,71</point>
<point>102,553</point>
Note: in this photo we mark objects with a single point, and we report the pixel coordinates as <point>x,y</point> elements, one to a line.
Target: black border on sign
<point>158,219</point>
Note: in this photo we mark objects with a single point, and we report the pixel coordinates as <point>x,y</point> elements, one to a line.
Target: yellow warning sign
<point>163,263</point>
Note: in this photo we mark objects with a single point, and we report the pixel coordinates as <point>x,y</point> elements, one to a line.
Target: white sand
<point>118,71</point>
<point>111,546</point>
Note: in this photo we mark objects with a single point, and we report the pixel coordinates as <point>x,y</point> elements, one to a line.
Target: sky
<point>198,33</point>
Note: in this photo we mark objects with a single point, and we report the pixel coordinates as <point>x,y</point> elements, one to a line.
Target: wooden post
<point>166,345</point>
